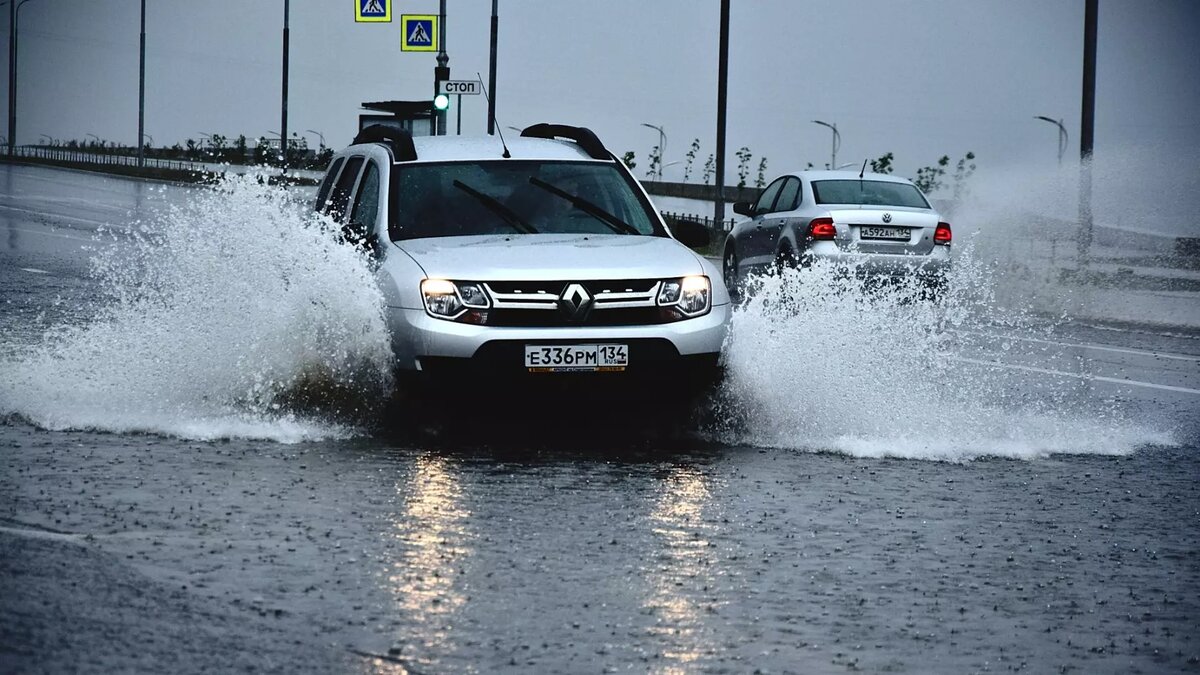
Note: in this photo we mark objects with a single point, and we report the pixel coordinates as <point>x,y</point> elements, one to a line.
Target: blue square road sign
<point>418,33</point>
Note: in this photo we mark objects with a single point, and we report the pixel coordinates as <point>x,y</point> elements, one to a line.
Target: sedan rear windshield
<point>516,197</point>
<point>868,193</point>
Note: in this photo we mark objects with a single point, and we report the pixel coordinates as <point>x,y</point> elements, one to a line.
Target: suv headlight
<point>690,295</point>
<point>447,299</point>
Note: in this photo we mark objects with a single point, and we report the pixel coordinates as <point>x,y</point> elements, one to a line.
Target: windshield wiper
<point>496,206</point>
<point>587,207</point>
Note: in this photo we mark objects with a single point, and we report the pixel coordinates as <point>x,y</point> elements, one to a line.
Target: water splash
<point>817,360</point>
<point>212,314</point>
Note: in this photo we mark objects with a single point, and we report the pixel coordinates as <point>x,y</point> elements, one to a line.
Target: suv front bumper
<point>419,339</point>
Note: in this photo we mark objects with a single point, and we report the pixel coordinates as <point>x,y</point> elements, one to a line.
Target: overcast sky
<point>917,78</point>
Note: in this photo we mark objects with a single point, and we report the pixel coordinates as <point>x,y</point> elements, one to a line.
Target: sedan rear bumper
<point>934,265</point>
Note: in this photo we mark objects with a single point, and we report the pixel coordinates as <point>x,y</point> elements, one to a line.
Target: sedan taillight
<point>822,228</point>
<point>942,234</point>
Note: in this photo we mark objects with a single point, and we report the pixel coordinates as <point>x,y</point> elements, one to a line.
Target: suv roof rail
<point>582,135</point>
<point>399,140</point>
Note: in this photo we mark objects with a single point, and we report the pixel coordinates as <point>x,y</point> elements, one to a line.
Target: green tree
<point>239,149</point>
<point>708,169</point>
<point>261,149</point>
<point>691,157</point>
<point>655,169</point>
<point>929,178</point>
<point>744,156</point>
<point>761,180</point>
<point>962,173</point>
<point>883,164</point>
<point>628,159</point>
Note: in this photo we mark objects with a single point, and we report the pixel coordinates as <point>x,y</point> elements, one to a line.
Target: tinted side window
<point>327,183</point>
<point>366,206</point>
<point>789,196</point>
<point>339,197</point>
<point>764,203</point>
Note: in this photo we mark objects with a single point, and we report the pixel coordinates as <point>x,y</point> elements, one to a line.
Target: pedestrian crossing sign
<point>418,33</point>
<point>373,11</point>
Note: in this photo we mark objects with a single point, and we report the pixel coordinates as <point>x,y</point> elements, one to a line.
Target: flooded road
<point>1027,500</point>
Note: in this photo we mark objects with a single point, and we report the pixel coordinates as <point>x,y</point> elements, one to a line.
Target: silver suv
<point>541,260</point>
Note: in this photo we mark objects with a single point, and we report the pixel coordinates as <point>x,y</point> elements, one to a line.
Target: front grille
<point>614,302</point>
<point>536,318</point>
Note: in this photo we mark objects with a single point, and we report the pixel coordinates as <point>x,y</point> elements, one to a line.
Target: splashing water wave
<point>819,361</point>
<point>213,314</point>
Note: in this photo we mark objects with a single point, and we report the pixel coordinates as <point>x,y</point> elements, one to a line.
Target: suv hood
<point>552,257</point>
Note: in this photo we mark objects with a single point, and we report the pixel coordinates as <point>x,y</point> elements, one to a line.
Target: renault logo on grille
<point>575,302</point>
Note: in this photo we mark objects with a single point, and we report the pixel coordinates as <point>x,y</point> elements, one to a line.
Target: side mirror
<point>744,208</point>
<point>690,233</point>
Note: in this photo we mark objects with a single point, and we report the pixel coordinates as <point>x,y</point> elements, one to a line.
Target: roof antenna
<point>864,170</point>
<point>499,133</point>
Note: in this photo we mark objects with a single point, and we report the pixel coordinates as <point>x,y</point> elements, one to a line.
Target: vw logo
<point>575,302</point>
<point>887,217</point>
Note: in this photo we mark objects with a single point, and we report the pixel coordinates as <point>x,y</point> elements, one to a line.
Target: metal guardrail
<point>75,156</point>
<point>723,226</point>
<point>72,156</point>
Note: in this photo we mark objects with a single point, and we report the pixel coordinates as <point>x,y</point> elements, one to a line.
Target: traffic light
<point>441,102</point>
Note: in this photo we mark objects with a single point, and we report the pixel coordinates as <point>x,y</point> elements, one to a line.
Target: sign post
<point>460,88</point>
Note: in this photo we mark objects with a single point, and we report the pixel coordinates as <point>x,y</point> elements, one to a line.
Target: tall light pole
<point>837,141</point>
<point>14,15</point>
<point>1087,128</point>
<point>662,146</point>
<point>442,70</point>
<point>319,135</point>
<point>283,111</point>
<point>1062,135</point>
<point>142,92</point>
<point>722,99</point>
<point>492,72</point>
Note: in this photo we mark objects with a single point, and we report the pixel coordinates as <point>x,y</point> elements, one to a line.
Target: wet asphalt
<point>369,556</point>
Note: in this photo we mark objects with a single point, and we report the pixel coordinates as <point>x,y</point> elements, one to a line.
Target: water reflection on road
<point>434,542</point>
<point>682,570</point>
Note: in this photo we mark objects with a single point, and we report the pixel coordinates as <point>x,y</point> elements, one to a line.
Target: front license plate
<point>884,233</point>
<point>576,358</point>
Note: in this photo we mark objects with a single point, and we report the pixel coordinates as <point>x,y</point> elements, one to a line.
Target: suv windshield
<point>868,193</point>
<point>515,197</point>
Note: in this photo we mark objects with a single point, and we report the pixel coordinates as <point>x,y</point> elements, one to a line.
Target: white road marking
<point>88,240</point>
<point>58,216</point>
<point>34,270</point>
<point>1119,350</point>
<point>1078,376</point>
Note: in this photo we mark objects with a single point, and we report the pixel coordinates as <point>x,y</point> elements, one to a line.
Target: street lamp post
<point>142,91</point>
<point>283,121</point>
<point>837,142</point>
<point>1062,135</point>
<point>662,146</point>
<point>319,135</point>
<point>14,15</point>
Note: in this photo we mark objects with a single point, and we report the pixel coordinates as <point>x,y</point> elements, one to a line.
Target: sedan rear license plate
<point>900,233</point>
<point>576,358</point>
